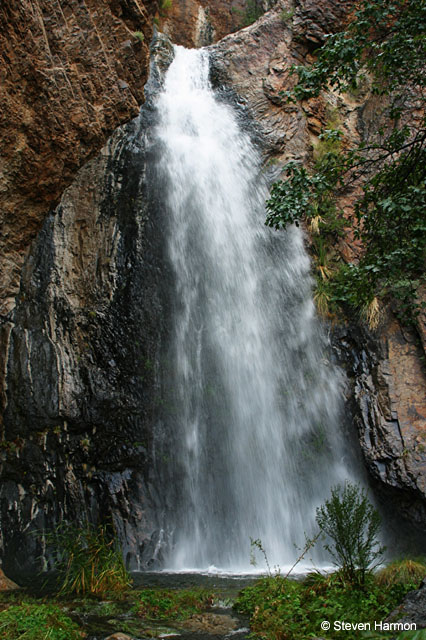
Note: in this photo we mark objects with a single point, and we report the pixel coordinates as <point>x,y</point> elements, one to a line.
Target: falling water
<point>250,443</point>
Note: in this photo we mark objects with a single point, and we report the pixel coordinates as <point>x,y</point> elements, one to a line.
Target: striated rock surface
<point>82,357</point>
<point>71,71</point>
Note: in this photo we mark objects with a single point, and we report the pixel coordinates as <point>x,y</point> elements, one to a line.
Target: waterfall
<point>249,445</point>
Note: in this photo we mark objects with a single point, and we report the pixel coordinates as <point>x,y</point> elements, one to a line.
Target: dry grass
<point>402,572</point>
<point>314,225</point>
<point>372,314</point>
<point>322,299</point>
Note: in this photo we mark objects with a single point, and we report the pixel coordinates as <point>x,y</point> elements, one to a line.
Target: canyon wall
<point>70,73</point>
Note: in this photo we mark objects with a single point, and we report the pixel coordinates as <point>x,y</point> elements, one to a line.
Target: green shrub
<point>37,622</point>
<point>352,525</point>
<point>286,15</point>
<point>89,561</point>
<point>282,609</point>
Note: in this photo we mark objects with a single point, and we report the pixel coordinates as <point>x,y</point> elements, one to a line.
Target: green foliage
<point>37,622</point>
<point>166,5</point>
<point>286,15</point>
<point>406,571</point>
<point>88,560</point>
<point>305,194</point>
<point>385,41</point>
<point>139,36</point>
<point>282,609</point>
<point>352,525</point>
<point>252,12</point>
<point>155,604</point>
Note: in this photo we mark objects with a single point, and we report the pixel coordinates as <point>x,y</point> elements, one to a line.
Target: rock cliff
<point>83,351</point>
<point>70,73</point>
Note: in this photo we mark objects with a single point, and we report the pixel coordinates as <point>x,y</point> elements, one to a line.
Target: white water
<point>250,445</point>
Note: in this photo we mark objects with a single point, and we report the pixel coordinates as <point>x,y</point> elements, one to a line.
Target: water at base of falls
<point>249,445</point>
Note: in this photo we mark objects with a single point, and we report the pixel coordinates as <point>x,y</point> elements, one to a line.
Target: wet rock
<point>212,623</point>
<point>82,348</point>
<point>83,352</point>
<point>385,397</point>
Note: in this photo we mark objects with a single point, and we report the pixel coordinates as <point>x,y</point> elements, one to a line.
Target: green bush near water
<point>352,525</point>
<point>283,609</point>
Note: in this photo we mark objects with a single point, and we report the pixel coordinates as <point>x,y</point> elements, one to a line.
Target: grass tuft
<point>89,561</point>
<point>406,572</point>
<point>372,314</point>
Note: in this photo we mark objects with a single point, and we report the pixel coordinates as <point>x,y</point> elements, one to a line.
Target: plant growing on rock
<point>351,523</point>
<point>384,42</point>
<point>138,35</point>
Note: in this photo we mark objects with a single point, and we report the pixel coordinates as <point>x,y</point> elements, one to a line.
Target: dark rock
<point>412,609</point>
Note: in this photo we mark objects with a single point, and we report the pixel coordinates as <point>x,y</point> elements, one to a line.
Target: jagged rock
<point>314,20</point>
<point>386,400</point>
<point>198,23</point>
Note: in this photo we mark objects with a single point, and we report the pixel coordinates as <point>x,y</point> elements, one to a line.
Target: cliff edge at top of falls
<point>70,72</point>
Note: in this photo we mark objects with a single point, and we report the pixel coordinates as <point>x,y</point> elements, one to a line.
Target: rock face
<point>412,609</point>
<point>83,353</point>
<point>70,73</point>
<point>198,23</point>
